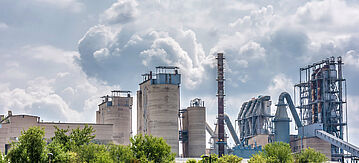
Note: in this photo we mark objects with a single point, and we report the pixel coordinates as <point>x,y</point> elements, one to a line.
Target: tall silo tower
<point>117,110</point>
<point>158,102</point>
<point>194,129</point>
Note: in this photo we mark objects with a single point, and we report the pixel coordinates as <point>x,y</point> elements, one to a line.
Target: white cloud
<point>122,11</point>
<point>351,58</point>
<point>52,86</point>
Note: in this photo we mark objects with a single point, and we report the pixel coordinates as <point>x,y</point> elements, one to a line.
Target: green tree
<point>82,136</point>
<point>310,155</point>
<point>64,144</point>
<point>150,148</point>
<point>121,153</point>
<point>257,158</point>
<point>30,147</point>
<point>230,159</point>
<point>278,152</point>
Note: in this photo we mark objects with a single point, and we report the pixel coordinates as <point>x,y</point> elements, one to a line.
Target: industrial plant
<point>320,117</point>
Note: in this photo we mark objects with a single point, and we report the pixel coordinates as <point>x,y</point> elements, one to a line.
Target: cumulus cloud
<point>53,85</point>
<point>122,11</point>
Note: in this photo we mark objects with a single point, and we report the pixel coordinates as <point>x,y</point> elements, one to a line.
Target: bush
<point>277,152</point>
<point>150,148</point>
<point>230,159</point>
<point>257,158</point>
<point>310,155</point>
<point>191,161</point>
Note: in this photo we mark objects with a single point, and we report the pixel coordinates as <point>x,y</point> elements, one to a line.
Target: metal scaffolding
<point>321,97</point>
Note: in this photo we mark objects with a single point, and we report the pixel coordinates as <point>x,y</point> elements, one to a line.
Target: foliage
<point>230,159</point>
<point>213,157</point>
<point>150,148</point>
<point>82,136</point>
<point>64,144</point>
<point>277,152</point>
<point>310,155</point>
<point>76,146</point>
<point>2,159</point>
<point>121,153</point>
<point>257,158</point>
<point>30,147</point>
<point>191,161</point>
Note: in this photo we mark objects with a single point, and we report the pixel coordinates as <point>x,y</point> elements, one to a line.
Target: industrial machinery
<point>321,98</point>
<point>254,118</point>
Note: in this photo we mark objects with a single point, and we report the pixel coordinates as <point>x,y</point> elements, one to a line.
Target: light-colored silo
<point>159,105</point>
<point>196,125</point>
<point>117,110</point>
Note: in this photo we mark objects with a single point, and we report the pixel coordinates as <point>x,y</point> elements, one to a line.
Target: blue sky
<point>59,57</point>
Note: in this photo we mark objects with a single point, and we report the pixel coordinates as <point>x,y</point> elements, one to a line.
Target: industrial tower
<point>117,110</point>
<point>321,98</point>
<point>220,94</point>
<point>158,103</point>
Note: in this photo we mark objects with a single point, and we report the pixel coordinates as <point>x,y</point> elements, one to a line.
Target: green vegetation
<point>76,146</point>
<point>30,148</point>
<point>149,148</point>
<point>230,159</point>
<point>224,159</point>
<point>279,152</point>
<point>310,155</point>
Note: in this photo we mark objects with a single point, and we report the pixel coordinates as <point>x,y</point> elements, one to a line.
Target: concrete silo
<point>158,102</point>
<point>194,129</point>
<point>117,110</point>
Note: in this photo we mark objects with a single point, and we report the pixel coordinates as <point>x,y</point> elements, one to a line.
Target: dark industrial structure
<point>220,94</point>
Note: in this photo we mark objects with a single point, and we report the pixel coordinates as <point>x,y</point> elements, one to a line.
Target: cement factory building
<point>321,122</point>
<point>12,125</point>
<point>158,104</point>
<point>113,122</point>
<point>117,110</point>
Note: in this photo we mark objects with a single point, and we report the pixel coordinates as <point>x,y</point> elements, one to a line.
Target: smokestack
<point>220,94</point>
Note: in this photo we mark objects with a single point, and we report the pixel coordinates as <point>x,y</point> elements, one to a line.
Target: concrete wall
<point>119,114</point>
<point>259,140</point>
<point>11,129</point>
<point>313,142</point>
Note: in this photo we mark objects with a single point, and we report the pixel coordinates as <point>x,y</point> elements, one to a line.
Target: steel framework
<point>321,97</point>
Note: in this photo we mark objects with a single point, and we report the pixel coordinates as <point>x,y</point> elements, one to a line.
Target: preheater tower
<point>158,102</point>
<point>117,110</point>
<point>220,94</point>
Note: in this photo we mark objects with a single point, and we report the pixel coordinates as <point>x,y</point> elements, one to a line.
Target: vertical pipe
<point>220,95</point>
<point>346,111</point>
<point>340,85</point>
